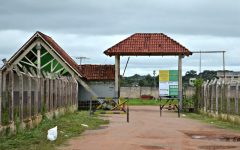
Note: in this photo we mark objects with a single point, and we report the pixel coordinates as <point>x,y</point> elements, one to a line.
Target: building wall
<point>136,92</point>
<point>101,88</point>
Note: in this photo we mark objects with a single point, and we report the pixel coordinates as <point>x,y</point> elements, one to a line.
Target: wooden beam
<point>55,67</point>
<point>86,86</point>
<point>34,53</point>
<point>25,52</point>
<point>44,54</point>
<point>47,63</point>
<point>180,97</point>
<point>28,63</point>
<point>58,71</point>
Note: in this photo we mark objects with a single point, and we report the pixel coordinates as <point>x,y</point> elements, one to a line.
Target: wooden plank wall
<point>49,93</point>
<point>219,97</point>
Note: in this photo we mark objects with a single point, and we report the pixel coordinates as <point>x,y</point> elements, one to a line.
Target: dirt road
<point>147,131</point>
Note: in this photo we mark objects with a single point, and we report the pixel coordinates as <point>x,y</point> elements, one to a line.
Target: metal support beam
<point>117,75</point>
<point>180,97</point>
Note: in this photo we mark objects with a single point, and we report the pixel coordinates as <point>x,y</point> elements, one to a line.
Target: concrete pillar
<point>117,76</point>
<point>180,96</point>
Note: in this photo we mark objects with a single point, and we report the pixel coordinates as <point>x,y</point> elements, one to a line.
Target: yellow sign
<point>164,75</point>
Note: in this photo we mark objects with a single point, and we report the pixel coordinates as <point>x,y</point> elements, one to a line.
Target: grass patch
<point>150,102</point>
<point>69,126</point>
<point>214,121</point>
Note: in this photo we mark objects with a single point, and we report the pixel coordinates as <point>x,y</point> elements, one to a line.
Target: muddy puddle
<point>212,136</point>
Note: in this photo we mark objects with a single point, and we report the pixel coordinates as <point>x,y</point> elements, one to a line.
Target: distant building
<point>229,75</point>
<point>100,78</point>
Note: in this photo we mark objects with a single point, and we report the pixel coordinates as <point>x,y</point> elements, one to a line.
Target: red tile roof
<point>98,72</point>
<point>148,44</point>
<point>60,51</point>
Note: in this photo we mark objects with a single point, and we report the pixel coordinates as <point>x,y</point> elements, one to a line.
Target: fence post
<point>209,96</point>
<point>222,94</point>
<point>11,95</point>
<point>36,99</point>
<point>21,97</point>
<point>55,93</point>
<point>42,95</point>
<point>205,96</point>
<point>228,98</point>
<point>51,95</point>
<point>212,95</point>
<point>216,97</point>
<point>236,98</point>
<point>29,97</point>
<point>1,89</point>
<point>76,103</point>
<point>47,95</point>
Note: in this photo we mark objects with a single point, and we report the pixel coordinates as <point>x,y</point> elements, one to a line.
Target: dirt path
<point>147,131</point>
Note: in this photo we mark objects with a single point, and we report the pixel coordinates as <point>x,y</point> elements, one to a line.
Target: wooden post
<point>29,97</point>
<point>228,98</point>
<point>21,97</point>
<point>213,93</point>
<point>55,94</point>
<point>59,93</point>
<point>216,97</point>
<point>11,98</point>
<point>236,98</point>
<point>76,94</point>
<point>222,96</point>
<point>205,96</point>
<point>51,94</point>
<point>47,95</point>
<point>180,81</point>
<point>42,95</point>
<point>208,95</point>
<point>1,89</point>
<point>117,74</point>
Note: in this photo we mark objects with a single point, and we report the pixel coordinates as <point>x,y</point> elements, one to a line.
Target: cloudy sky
<point>87,28</point>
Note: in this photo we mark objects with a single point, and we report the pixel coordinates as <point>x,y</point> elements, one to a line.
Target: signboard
<point>168,83</point>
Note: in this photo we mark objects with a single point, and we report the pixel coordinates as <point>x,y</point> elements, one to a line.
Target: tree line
<point>151,81</point>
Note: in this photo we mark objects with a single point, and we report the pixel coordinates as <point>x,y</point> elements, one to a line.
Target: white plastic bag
<point>52,134</point>
<point>84,125</point>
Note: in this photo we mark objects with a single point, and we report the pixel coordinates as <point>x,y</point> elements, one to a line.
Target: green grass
<point>214,121</point>
<point>69,126</point>
<point>150,102</point>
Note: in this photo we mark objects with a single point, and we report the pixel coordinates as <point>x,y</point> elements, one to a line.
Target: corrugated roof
<point>148,44</point>
<point>98,72</point>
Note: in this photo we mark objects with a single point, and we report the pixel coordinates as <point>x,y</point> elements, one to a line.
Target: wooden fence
<point>25,95</point>
<point>219,97</point>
